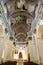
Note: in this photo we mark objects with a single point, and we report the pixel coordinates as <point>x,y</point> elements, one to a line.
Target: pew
<point>9,63</point>
<point>30,63</point>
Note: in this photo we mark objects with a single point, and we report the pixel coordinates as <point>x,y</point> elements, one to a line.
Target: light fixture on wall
<point>6,30</point>
<point>11,38</point>
<point>34,31</point>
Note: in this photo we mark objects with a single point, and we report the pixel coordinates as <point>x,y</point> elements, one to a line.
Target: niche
<point>20,55</point>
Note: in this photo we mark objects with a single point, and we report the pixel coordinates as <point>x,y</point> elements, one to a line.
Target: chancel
<point>21,32</point>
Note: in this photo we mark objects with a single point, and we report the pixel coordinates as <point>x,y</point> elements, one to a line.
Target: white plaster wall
<point>1,47</point>
<point>9,50</point>
<point>33,52</point>
<point>30,51</point>
<point>40,46</point>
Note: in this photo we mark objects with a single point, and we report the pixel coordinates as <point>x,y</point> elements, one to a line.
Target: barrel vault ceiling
<point>19,16</point>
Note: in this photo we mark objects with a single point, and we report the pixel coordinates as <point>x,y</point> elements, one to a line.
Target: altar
<point>20,54</point>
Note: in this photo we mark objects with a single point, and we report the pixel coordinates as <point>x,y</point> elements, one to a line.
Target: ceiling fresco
<point>19,16</point>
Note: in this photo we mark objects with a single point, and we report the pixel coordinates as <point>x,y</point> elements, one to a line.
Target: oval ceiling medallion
<point>40,30</point>
<point>1,29</point>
